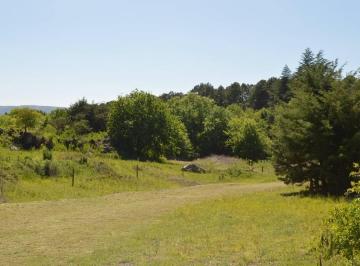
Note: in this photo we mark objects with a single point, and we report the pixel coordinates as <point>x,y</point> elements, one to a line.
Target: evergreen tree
<point>236,93</point>
<point>283,92</point>
<point>261,96</point>
<point>204,89</point>
<point>316,135</point>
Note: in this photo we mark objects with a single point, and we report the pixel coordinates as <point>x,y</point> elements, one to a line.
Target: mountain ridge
<point>43,108</point>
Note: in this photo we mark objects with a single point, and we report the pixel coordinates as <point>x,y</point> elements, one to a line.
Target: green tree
<point>247,139</point>
<point>141,126</point>
<point>193,109</point>
<point>95,115</point>
<point>26,118</point>
<point>170,95</point>
<point>236,93</point>
<point>281,88</point>
<point>205,89</point>
<point>316,135</point>
<point>214,136</point>
<point>179,146</point>
<point>262,95</point>
<point>59,119</point>
<point>220,96</point>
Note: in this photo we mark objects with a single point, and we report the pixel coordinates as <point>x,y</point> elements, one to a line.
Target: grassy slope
<point>92,180</point>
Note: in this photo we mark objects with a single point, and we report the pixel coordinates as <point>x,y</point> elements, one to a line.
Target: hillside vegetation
<point>101,175</point>
<point>104,184</point>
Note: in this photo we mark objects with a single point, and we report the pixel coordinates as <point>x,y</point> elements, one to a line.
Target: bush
<point>49,143</point>
<point>50,169</point>
<point>353,192</point>
<point>234,171</point>
<point>6,178</point>
<point>27,140</point>
<point>47,154</point>
<point>83,160</point>
<point>342,232</point>
<point>104,170</point>
<point>47,168</point>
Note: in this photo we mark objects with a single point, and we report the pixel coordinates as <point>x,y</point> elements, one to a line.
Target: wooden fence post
<point>1,188</point>
<point>73,177</point>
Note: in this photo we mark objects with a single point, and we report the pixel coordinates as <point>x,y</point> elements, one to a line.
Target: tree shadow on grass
<point>304,192</point>
<point>301,193</point>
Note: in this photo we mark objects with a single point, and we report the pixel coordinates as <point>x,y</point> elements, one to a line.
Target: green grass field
<point>103,175</point>
<point>232,215</point>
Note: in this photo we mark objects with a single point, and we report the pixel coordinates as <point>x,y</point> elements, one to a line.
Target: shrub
<point>47,154</point>
<point>49,143</point>
<point>104,170</point>
<point>50,169</point>
<point>47,168</point>
<point>6,177</point>
<point>83,160</point>
<point>354,191</point>
<point>27,140</point>
<point>342,232</point>
<point>234,171</point>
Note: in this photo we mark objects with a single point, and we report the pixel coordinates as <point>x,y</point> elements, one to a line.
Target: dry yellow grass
<point>56,232</point>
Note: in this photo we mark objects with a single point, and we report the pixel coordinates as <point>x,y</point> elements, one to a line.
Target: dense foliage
<point>307,120</point>
<point>342,233</point>
<point>141,126</point>
<point>25,118</point>
<point>317,134</point>
<point>247,139</point>
<point>205,122</point>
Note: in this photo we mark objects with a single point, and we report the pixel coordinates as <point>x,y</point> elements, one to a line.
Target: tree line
<point>307,122</point>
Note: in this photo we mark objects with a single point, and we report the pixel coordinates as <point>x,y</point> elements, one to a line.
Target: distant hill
<point>46,109</point>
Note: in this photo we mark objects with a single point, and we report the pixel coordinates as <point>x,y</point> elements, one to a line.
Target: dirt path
<point>54,232</point>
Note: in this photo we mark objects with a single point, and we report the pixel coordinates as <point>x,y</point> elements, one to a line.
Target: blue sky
<point>54,52</point>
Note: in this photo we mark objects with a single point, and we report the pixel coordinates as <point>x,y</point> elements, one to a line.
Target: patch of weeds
<point>47,155</point>
<point>83,160</point>
<point>104,170</point>
<point>47,169</point>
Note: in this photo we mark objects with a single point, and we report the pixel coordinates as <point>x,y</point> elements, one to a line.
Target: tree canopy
<point>26,118</point>
<point>307,120</point>
<point>141,126</point>
<point>317,134</point>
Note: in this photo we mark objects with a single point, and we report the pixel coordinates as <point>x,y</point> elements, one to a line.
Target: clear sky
<point>54,52</point>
